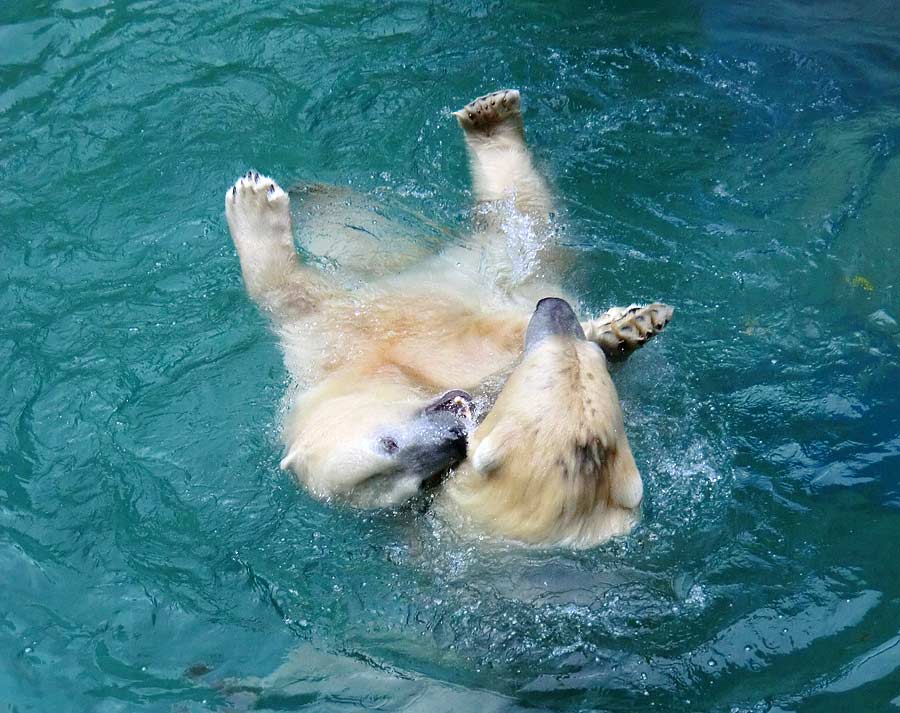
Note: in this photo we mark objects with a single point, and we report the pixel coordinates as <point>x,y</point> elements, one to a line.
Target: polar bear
<point>550,464</point>
<point>387,374</point>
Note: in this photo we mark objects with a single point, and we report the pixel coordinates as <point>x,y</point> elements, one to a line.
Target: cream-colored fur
<point>551,463</point>
<point>367,419</point>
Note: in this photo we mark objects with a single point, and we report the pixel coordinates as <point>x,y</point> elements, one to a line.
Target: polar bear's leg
<point>498,156</point>
<point>259,218</point>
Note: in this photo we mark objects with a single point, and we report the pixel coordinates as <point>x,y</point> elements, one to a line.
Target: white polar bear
<point>550,464</point>
<point>386,373</point>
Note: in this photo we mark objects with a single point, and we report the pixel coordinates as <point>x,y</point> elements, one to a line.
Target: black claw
<point>271,189</point>
<point>249,174</point>
<point>233,191</point>
<point>255,177</point>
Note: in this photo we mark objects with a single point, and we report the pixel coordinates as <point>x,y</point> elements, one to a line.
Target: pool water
<point>740,161</point>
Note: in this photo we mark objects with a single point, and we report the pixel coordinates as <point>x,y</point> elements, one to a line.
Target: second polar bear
<point>550,464</point>
<point>387,373</point>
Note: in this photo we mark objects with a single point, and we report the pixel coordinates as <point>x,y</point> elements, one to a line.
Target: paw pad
<point>489,111</point>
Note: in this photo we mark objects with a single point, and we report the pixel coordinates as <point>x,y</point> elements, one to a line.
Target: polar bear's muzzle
<point>553,317</point>
<point>443,428</point>
<point>438,435</point>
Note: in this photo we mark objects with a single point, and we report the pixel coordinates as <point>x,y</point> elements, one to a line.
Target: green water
<point>741,162</point>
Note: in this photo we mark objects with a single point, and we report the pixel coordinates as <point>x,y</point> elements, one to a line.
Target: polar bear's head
<point>372,441</point>
<point>551,463</point>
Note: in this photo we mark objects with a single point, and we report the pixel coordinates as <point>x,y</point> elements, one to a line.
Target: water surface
<point>740,161</point>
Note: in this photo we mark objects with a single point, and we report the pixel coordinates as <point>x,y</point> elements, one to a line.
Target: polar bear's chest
<point>456,361</point>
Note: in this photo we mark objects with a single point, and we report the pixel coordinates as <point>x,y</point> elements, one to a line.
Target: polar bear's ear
<point>488,455</point>
<point>291,459</point>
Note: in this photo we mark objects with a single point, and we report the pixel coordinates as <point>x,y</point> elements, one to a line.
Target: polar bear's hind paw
<point>487,112</point>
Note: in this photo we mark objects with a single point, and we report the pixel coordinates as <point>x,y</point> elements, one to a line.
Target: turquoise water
<point>740,162</point>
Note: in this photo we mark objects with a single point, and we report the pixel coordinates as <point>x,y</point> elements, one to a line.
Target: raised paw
<point>257,208</point>
<point>490,111</point>
<point>621,330</point>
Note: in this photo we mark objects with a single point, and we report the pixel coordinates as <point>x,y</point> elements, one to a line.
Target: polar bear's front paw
<point>257,209</point>
<point>621,330</point>
<point>490,111</point>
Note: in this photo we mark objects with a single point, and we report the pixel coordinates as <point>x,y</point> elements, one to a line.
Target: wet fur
<point>576,482</point>
<point>369,359</point>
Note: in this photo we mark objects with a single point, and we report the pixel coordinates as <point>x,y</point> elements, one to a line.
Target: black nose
<point>552,317</point>
<point>458,443</point>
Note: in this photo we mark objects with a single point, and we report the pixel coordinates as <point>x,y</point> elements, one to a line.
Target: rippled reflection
<point>741,163</point>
